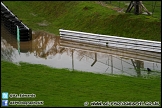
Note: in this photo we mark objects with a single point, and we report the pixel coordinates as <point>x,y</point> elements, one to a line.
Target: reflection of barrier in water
<point>111,65</point>
<point>134,55</point>
<point>84,57</point>
<point>94,60</point>
<point>18,46</point>
<point>138,55</point>
<point>72,60</point>
<point>7,51</point>
<point>138,66</point>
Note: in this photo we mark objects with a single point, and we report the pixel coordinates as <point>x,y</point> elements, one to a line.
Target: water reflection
<point>114,61</point>
<point>48,49</point>
<point>7,52</point>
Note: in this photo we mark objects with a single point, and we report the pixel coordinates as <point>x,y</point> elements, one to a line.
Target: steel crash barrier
<point>11,22</point>
<point>111,41</point>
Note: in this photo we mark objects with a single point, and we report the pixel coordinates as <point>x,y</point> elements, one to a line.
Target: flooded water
<point>51,50</point>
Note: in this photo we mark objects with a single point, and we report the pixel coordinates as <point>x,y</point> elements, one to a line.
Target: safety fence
<point>111,41</point>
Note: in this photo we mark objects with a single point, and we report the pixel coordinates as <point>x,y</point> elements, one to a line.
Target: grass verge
<point>61,87</point>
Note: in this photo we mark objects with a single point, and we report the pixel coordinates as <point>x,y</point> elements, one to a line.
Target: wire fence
<point>154,7</point>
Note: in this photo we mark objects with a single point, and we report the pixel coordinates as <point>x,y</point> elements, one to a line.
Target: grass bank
<point>86,16</point>
<point>61,87</point>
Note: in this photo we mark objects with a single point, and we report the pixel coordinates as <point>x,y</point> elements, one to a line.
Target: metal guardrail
<point>111,41</point>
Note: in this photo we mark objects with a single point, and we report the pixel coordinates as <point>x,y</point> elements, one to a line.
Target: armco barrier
<point>111,41</point>
<point>11,22</point>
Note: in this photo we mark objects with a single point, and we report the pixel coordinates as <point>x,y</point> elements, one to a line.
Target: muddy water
<point>51,50</point>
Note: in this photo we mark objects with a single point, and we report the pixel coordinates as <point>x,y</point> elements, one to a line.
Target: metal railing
<point>111,41</point>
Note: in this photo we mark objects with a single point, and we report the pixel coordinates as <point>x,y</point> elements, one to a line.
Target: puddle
<point>50,50</point>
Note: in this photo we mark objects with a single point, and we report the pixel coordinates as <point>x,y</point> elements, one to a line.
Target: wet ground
<point>51,50</point>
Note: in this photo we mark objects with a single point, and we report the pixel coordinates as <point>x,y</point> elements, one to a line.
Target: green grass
<point>61,87</point>
<point>85,16</point>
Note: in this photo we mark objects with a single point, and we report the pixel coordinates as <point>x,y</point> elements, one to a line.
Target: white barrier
<point>112,41</point>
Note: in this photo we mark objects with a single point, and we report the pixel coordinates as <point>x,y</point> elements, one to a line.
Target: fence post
<point>18,34</point>
<point>18,39</point>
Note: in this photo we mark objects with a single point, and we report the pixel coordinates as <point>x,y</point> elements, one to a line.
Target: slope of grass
<point>86,16</point>
<point>61,87</point>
